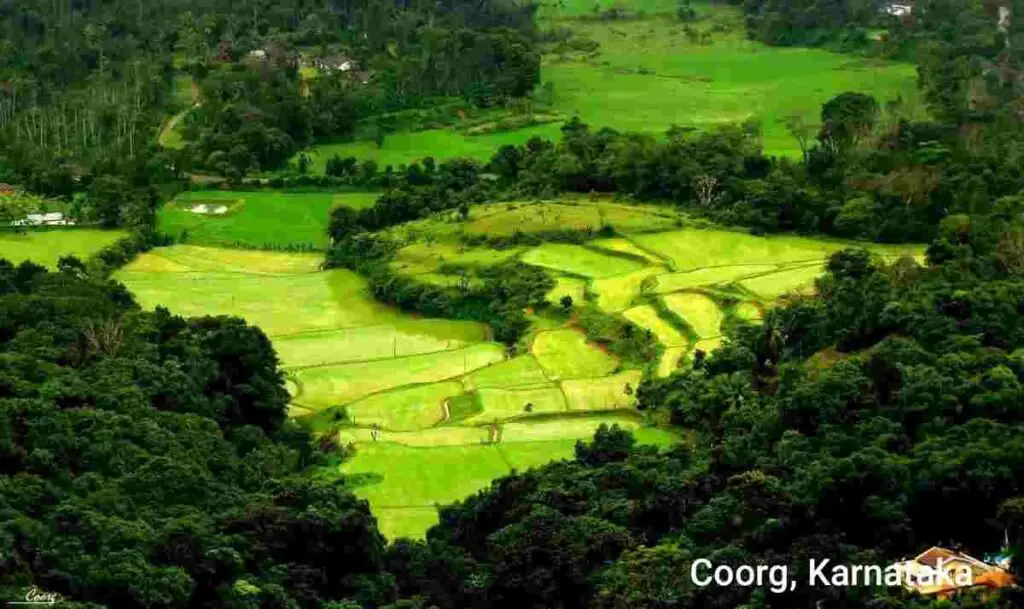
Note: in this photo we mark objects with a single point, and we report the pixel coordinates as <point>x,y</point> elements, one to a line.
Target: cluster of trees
<point>85,86</point>
<point>497,295</point>
<point>812,22</point>
<point>832,431</point>
<point>147,460</point>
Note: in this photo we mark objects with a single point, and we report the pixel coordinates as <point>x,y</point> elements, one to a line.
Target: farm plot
<point>261,219</point>
<point>698,310</point>
<point>425,401</point>
<point>567,354</point>
<point>674,282</point>
<point>324,386</point>
<point>578,260</point>
<point>618,293</point>
<point>647,318</point>
<point>45,247</point>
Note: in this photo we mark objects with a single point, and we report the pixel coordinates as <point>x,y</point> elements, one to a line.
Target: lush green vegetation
<point>256,219</point>
<point>47,246</point>
<point>650,73</point>
<point>758,389</point>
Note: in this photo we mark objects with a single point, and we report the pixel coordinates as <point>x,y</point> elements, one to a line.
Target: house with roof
<point>943,573</point>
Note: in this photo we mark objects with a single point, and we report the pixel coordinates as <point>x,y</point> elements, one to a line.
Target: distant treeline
<point>863,174</point>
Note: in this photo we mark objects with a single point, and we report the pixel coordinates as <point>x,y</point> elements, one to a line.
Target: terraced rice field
<point>451,410</point>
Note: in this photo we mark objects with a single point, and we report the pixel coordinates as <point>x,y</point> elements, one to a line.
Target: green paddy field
<point>257,219</point>
<point>47,246</point>
<point>648,75</point>
<point>433,409</point>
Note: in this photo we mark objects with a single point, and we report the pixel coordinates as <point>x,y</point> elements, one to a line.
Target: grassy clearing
<point>578,260</point>
<point>693,249</point>
<point>618,293</point>
<point>606,393</point>
<point>674,282</point>
<point>45,247</point>
<point>423,477</point>
<point>257,218</point>
<point>647,318</point>
<point>772,286</point>
<point>407,483</point>
<point>325,386</point>
<point>700,311</point>
<point>404,409</point>
<point>567,354</point>
<point>504,404</point>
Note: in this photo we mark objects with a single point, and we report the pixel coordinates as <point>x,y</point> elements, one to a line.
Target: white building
<point>51,219</point>
<point>899,10</point>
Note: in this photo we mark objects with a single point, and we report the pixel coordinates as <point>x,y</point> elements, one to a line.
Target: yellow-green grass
<point>707,345</point>
<point>45,247</point>
<point>647,318</point>
<point>748,311</point>
<point>303,302</point>
<point>578,260</point>
<point>505,404</point>
<point>558,428</point>
<point>421,257</point>
<point>455,435</point>
<point>567,354</point>
<point>325,386</point>
<point>411,522</point>
<point>606,393</point>
<point>670,359</point>
<point>570,214</point>
<point>698,310</point>
<point>772,286</point>
<point>519,371</point>
<point>397,339</point>
<point>406,408</point>
<point>212,260</point>
<point>573,287</point>
<point>260,218</point>
<point>692,249</point>
<point>625,246</point>
<point>618,293</point>
<point>674,282</point>
<point>649,76</point>
<point>409,482</point>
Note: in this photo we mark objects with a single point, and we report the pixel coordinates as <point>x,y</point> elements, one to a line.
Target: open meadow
<point>48,245</point>
<point>649,72</point>
<point>433,409</point>
<point>257,219</point>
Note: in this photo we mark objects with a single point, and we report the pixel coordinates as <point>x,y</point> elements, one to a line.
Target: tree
<point>845,119</point>
<point>566,303</point>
